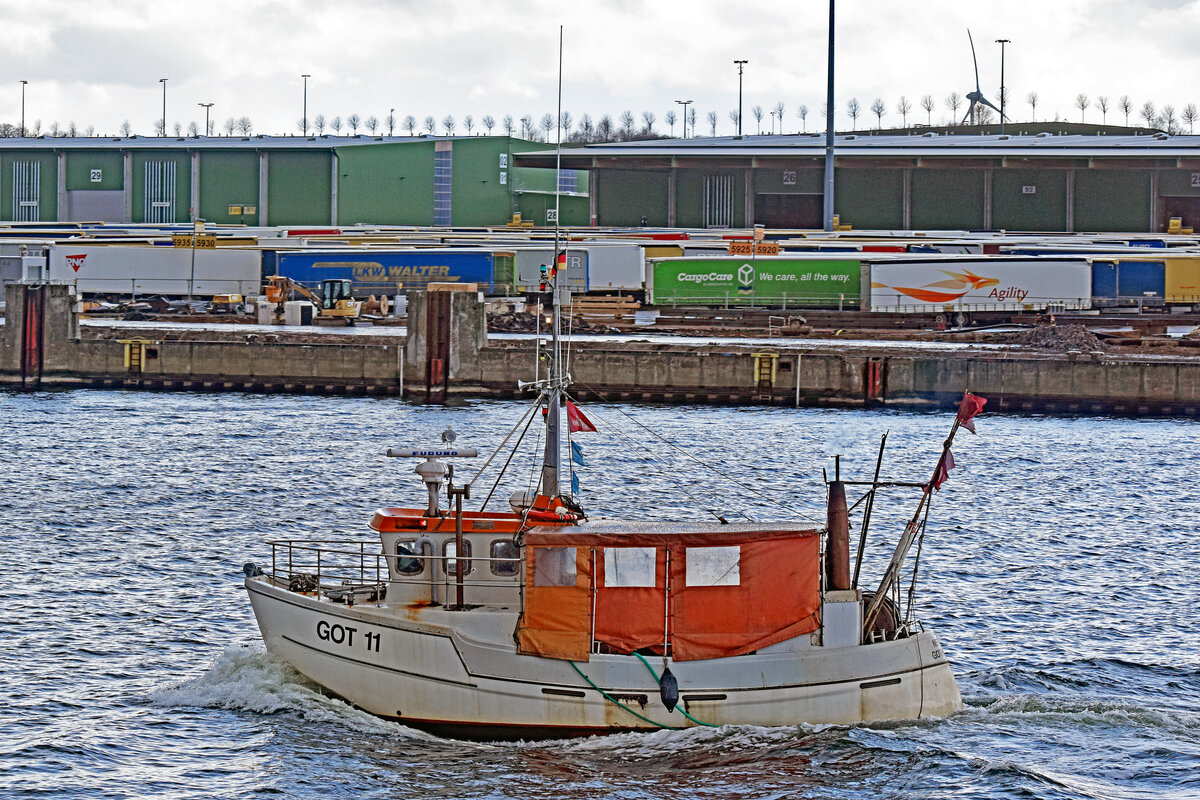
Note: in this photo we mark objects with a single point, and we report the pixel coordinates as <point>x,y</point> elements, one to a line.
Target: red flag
<point>943,470</point>
<point>970,406</point>
<point>576,421</point>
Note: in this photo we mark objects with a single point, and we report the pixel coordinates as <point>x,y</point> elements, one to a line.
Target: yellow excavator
<point>334,302</point>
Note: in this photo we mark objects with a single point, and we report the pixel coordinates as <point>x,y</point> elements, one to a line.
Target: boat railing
<point>355,570</point>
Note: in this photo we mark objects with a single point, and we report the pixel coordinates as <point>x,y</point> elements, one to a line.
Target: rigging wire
<point>508,461</point>
<point>714,470</point>
<point>501,446</point>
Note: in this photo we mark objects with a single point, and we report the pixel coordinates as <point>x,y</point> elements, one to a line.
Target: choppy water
<point>1060,574</point>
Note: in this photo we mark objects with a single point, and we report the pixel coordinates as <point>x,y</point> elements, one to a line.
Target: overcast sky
<point>98,62</point>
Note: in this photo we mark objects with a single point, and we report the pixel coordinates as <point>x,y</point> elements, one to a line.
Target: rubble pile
<point>1058,337</point>
<point>523,322</point>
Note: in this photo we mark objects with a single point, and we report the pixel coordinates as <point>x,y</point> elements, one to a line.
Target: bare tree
<point>391,122</point>
<point>231,126</point>
<point>566,121</point>
<point>1125,107</point>
<point>469,123</point>
<point>757,111</point>
<point>159,130</point>
<point>1082,101</point>
<point>928,104</point>
<point>448,124</point>
<point>904,108</point>
<point>547,125</point>
<point>354,120</point>
<point>319,124</point>
<point>178,129</point>
<point>55,130</point>
<point>712,122</point>
<point>1149,113</point>
<point>245,126</point>
<point>1032,99</point>
<point>126,129</point>
<point>648,120</point>
<point>1102,104</point>
<point>410,125</point>
<point>691,120</point>
<point>372,125</point>
<point>430,125</point>
<point>953,101</point>
<point>735,118</point>
<point>509,125</point>
<point>587,129</point>
<point>193,128</point>
<point>878,109</point>
<point>779,109</point>
<point>627,122</point>
<point>604,129</point>
<point>983,115</point>
<point>37,128</point>
<point>89,131</point>
<point>803,114</point>
<point>1190,115</point>
<point>669,118</point>
<point>527,127</point>
<point>72,131</point>
<point>853,109</point>
<point>1167,119</point>
<point>488,122</point>
<point>335,125</point>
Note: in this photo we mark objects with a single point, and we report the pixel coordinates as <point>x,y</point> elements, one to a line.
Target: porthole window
<point>504,548</point>
<point>450,551</point>
<point>408,561</point>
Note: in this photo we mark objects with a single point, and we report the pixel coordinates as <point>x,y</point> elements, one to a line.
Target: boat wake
<point>247,678</point>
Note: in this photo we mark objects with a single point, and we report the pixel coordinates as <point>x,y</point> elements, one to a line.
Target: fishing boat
<point>542,621</point>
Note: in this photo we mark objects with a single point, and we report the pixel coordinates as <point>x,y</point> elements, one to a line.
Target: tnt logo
<point>75,262</point>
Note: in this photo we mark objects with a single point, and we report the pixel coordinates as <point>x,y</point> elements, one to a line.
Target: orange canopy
<point>702,594</point>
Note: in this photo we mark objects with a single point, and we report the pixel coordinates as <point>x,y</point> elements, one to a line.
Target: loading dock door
<point>789,210</point>
<point>1186,207</point>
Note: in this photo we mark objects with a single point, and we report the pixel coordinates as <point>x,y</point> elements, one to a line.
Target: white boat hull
<point>458,673</point>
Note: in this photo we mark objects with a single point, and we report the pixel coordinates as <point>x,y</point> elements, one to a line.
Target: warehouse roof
<point>849,146</point>
<point>260,142</point>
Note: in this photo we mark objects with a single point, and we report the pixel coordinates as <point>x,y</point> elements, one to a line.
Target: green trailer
<point>781,281</point>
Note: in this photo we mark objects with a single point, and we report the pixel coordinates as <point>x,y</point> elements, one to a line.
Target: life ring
<point>550,515</point>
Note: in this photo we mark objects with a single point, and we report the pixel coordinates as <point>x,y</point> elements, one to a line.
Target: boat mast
<point>550,475</point>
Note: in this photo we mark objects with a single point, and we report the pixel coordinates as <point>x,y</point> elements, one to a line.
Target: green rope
<point>617,703</point>
<point>677,708</point>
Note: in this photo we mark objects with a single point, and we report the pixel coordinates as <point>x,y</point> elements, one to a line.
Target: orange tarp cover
<point>556,622</point>
<point>775,596</point>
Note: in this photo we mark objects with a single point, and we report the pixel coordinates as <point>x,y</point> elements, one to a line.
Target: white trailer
<point>121,270</point>
<point>616,267</point>
<point>948,284</point>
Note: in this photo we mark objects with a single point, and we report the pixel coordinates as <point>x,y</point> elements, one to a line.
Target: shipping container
<point>384,271</point>
<point>976,284</point>
<point>529,261</point>
<point>121,270</point>
<point>615,267</point>
<point>766,280</point>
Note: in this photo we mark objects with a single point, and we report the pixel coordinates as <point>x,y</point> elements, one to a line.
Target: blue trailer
<point>384,272</point>
<point>1122,282</point>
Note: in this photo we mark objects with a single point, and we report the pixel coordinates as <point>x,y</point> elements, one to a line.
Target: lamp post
<point>23,108</point>
<point>306,76</point>
<point>773,123</point>
<point>685,104</point>
<point>163,81</point>
<point>197,226</point>
<point>206,107</point>
<point>829,128</point>
<point>1002,42</point>
<point>740,64</point>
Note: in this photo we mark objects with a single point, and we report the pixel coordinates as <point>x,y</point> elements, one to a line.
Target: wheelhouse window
<point>505,549</point>
<point>408,560</point>
<point>450,551</point>
<point>713,566</point>
<point>554,566</point>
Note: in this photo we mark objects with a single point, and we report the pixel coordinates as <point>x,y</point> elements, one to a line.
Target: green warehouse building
<point>1129,182</point>
<point>267,181</point>
<point>1111,180</point>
